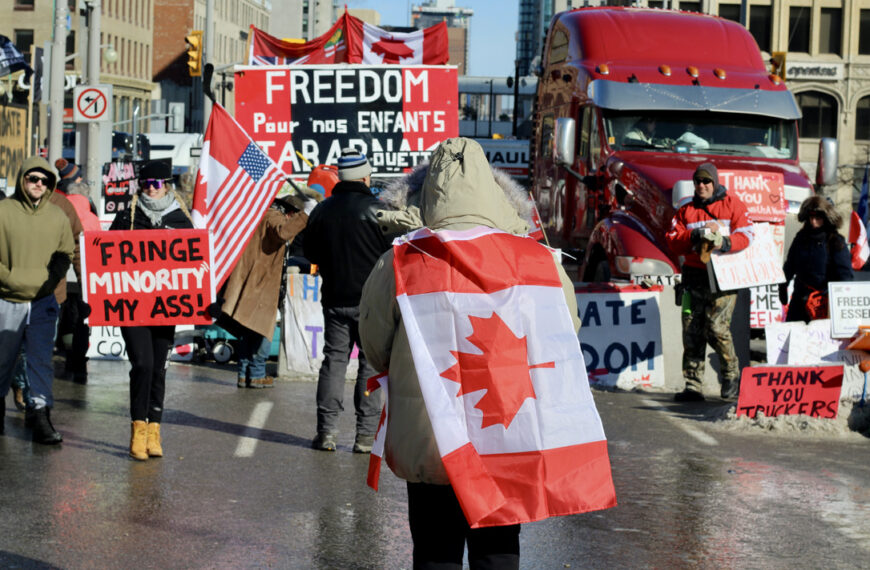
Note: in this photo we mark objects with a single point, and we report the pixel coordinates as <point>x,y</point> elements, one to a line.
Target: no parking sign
<point>92,103</point>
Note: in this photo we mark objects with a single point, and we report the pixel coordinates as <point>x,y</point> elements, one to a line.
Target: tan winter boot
<point>138,439</point>
<point>154,447</point>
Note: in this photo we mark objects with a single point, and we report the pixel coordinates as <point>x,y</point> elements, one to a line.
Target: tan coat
<point>457,195</point>
<point>61,201</point>
<point>251,292</point>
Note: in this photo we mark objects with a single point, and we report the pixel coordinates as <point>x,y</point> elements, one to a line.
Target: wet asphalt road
<point>240,488</point>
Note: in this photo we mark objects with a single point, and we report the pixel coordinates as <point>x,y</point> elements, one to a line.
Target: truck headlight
<point>630,265</point>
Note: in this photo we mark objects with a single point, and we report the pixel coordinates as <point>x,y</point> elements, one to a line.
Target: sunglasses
<point>34,179</point>
<point>703,181</point>
<point>155,182</point>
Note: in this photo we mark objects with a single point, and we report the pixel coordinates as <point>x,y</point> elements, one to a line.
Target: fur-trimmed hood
<point>404,196</point>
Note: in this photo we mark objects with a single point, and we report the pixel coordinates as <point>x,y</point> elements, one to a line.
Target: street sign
<point>92,103</point>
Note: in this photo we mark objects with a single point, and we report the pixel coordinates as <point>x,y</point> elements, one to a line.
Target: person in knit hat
<point>68,173</point>
<point>714,221</point>
<point>344,240</point>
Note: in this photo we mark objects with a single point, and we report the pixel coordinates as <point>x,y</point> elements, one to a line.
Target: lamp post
<point>55,118</point>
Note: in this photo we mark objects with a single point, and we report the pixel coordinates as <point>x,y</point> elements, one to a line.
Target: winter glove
<point>783,293</point>
<point>715,238</point>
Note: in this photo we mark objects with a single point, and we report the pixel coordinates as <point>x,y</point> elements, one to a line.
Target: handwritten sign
<point>621,337</point>
<point>762,192</point>
<point>106,343</point>
<point>764,306</point>
<point>805,344</point>
<point>849,307</point>
<point>13,142</point>
<point>120,182</point>
<point>758,264</point>
<point>785,390</point>
<point>147,277</point>
<point>304,326</point>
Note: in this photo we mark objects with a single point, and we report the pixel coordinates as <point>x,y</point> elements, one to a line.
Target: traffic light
<point>194,53</point>
<point>777,64</point>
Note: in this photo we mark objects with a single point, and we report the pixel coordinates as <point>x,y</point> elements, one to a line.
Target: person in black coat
<point>345,241</point>
<point>155,207</point>
<point>817,256</point>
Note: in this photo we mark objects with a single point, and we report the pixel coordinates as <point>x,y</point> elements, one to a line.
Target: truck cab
<point>629,103</point>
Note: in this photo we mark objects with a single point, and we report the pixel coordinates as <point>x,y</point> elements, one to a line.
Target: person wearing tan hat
<point>713,221</point>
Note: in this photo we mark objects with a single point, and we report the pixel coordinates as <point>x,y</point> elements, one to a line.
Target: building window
<point>831,31</point>
<point>690,6</point>
<point>71,48</point>
<point>24,4</point>
<point>862,120</point>
<point>799,29</point>
<point>23,40</point>
<point>730,12</point>
<point>819,112</point>
<point>864,33</point>
<point>759,26</point>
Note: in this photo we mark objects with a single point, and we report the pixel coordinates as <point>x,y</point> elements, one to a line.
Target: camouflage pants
<point>708,320</point>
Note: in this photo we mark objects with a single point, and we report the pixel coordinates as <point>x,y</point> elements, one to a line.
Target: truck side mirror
<point>564,135</point>
<point>826,171</point>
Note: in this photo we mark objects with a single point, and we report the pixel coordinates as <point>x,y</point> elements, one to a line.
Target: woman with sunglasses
<point>155,207</point>
<point>817,256</point>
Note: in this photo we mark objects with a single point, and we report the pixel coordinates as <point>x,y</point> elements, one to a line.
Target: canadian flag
<point>858,239</point>
<point>372,45</point>
<point>502,376</point>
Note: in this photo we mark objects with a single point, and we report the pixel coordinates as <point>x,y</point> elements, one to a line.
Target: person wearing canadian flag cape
<point>488,416</point>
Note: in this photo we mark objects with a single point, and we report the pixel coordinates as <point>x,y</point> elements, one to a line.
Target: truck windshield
<point>701,133</point>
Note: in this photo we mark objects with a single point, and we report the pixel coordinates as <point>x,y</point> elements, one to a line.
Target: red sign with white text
<point>790,390</point>
<point>147,277</point>
<point>303,115</point>
<point>762,192</point>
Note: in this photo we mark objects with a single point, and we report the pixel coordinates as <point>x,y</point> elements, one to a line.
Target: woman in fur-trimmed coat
<point>817,256</point>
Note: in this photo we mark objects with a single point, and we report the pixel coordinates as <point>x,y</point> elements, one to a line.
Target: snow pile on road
<point>851,417</point>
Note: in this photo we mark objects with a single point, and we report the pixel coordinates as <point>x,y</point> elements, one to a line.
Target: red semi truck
<point>629,103</point>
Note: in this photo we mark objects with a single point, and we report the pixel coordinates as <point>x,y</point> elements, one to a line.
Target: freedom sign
<point>395,115</point>
<point>147,277</point>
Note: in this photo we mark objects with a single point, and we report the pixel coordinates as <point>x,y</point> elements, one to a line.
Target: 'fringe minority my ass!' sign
<point>147,277</point>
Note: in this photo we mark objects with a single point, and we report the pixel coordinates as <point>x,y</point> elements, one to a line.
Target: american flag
<point>235,184</point>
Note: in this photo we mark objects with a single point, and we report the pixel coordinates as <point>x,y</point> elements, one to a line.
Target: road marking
<point>248,444</point>
<point>691,430</point>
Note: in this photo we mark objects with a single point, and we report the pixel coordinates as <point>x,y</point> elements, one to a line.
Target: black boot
<point>730,389</point>
<point>43,431</point>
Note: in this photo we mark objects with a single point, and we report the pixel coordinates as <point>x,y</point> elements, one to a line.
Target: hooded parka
<point>456,195</point>
<point>36,242</point>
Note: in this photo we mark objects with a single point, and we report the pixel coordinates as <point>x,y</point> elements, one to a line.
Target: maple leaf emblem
<point>502,370</point>
<point>392,49</point>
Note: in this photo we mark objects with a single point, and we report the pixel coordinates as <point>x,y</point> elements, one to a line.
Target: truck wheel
<point>598,270</point>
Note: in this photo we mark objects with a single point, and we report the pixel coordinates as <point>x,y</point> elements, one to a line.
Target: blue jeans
<point>341,332</point>
<point>30,328</point>
<point>254,349</point>
<point>19,376</point>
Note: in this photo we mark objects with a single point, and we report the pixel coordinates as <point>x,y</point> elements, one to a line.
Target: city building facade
<point>458,25</point>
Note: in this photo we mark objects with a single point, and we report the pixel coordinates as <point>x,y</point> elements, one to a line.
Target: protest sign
<point>762,192</point>
<point>147,277</point>
<point>120,183</point>
<point>758,264</point>
<point>13,142</point>
<point>106,343</point>
<point>396,115</point>
<point>790,390</point>
<point>303,326</point>
<point>764,306</point>
<point>801,344</point>
<point>621,336</point>
<point>849,307</point>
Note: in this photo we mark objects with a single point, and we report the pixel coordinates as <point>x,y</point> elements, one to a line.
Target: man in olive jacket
<point>36,249</point>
